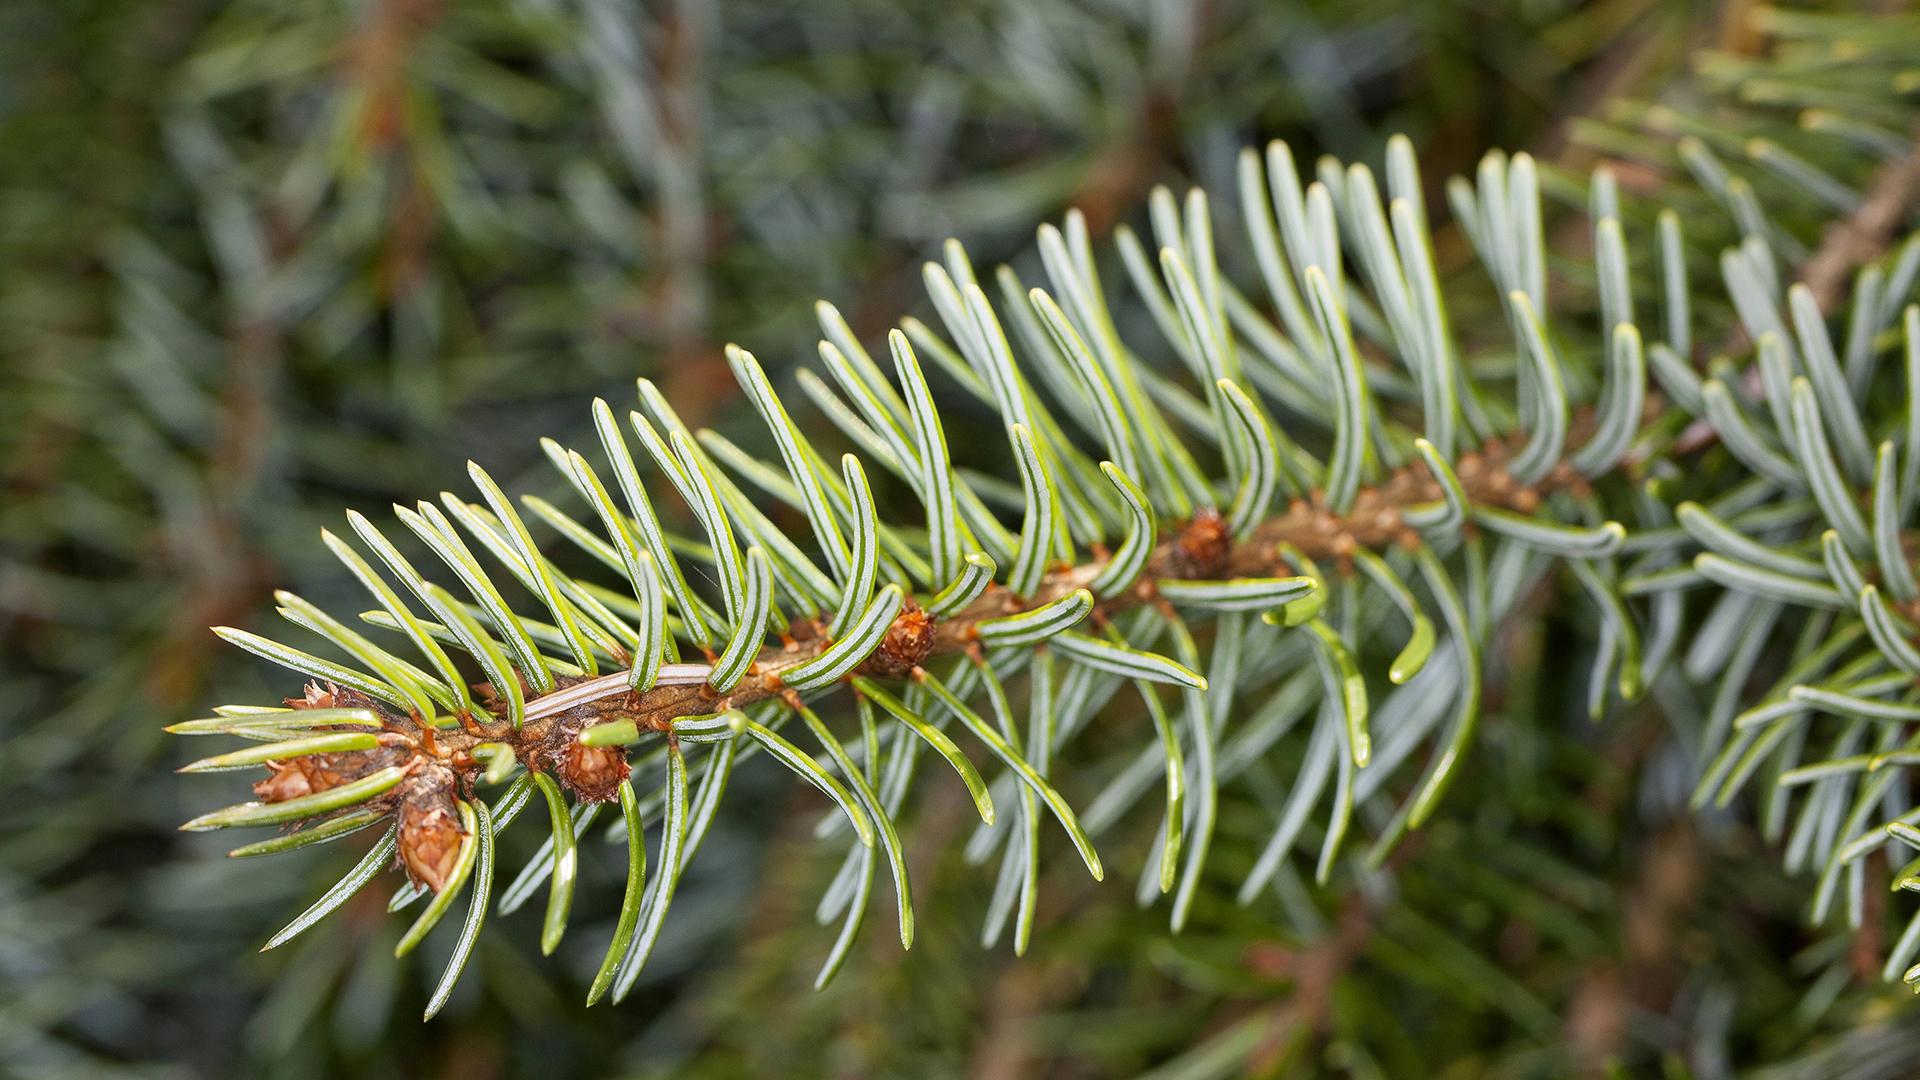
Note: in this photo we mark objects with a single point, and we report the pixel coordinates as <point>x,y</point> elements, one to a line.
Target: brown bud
<point>330,696</point>
<point>593,773</point>
<point>312,773</point>
<point>307,775</point>
<point>908,642</point>
<point>430,832</point>
<point>292,779</point>
<point>1201,549</point>
<point>316,697</point>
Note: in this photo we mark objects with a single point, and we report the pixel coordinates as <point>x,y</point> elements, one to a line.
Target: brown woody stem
<point>1374,522</point>
<point>1197,549</point>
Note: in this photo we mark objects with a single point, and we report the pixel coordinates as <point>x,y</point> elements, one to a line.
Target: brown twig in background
<point>225,574</point>
<point>680,300</point>
<point>1868,232</point>
<point>1854,241</point>
<point>1316,971</point>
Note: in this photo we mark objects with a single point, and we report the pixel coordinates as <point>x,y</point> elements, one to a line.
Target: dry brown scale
<point>315,773</point>
<point>430,833</point>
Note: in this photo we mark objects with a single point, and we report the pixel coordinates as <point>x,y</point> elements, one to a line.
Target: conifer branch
<point>1320,414</point>
<point>1198,550</point>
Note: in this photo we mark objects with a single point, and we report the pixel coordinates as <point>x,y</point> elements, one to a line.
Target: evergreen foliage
<point>1284,513</point>
<point>263,261</point>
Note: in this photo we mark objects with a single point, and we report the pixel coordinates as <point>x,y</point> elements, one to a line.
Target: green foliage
<point>228,318</point>
<point>1720,528</point>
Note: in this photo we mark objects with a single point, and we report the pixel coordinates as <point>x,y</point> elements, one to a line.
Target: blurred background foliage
<point>264,259</point>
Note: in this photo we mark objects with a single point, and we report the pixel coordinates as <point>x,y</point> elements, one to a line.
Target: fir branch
<point>1198,550</point>
<point>1343,391</point>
